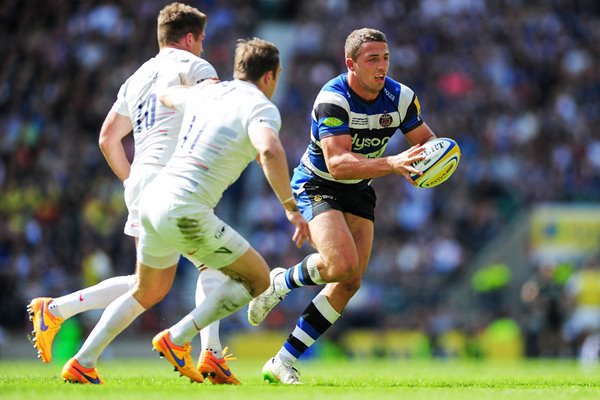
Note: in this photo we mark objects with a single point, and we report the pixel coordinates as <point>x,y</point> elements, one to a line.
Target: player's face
<point>370,69</point>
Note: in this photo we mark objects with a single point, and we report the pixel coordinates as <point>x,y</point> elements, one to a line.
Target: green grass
<point>149,379</point>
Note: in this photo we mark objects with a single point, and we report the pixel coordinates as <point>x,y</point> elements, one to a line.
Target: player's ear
<point>350,64</point>
<point>189,38</point>
<point>267,77</point>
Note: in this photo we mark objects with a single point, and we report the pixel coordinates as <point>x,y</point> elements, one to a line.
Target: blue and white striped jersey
<point>339,111</point>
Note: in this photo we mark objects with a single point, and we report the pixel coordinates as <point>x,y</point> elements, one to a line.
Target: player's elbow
<point>265,155</point>
<point>270,154</point>
<point>336,170</point>
<point>335,173</point>
<point>107,142</point>
<point>103,142</point>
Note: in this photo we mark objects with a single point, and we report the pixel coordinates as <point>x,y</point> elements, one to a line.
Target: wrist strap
<point>290,204</point>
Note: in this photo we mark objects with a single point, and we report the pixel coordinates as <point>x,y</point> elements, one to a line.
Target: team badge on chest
<point>385,120</point>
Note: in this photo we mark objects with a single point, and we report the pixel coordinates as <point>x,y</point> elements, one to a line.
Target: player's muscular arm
<point>114,129</point>
<point>273,161</point>
<point>345,164</point>
<point>420,135</point>
<point>174,96</point>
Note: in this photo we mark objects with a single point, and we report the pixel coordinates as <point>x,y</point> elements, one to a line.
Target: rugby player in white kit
<point>225,127</point>
<point>180,32</point>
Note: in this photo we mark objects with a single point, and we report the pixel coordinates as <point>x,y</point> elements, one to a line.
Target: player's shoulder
<point>338,85</point>
<point>393,89</point>
<point>397,92</point>
<point>184,60</point>
<point>335,91</point>
<point>251,97</point>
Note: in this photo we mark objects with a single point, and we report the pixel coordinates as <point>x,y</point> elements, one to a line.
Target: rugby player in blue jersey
<point>353,119</point>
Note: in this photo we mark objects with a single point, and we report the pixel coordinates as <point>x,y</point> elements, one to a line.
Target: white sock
<point>117,316</point>
<point>224,300</point>
<point>590,349</point>
<point>91,298</point>
<point>208,280</point>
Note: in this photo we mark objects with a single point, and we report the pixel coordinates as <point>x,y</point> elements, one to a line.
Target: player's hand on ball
<point>402,163</point>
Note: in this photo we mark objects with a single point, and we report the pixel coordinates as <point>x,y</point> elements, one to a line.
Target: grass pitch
<point>149,379</point>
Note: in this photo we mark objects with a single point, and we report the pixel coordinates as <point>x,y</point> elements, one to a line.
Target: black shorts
<point>316,195</point>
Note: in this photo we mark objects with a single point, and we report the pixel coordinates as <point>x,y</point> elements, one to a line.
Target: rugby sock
<point>303,274</point>
<point>225,299</point>
<point>91,298</point>
<point>314,321</point>
<point>208,280</point>
<point>590,350</point>
<point>117,316</point>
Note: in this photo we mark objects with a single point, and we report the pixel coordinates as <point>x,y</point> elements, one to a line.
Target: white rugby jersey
<point>155,127</point>
<point>214,146</point>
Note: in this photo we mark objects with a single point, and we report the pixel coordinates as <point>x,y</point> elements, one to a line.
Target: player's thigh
<point>362,231</point>
<point>153,284</point>
<point>340,293</point>
<point>332,237</point>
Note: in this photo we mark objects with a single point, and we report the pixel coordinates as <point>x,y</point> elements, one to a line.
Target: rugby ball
<point>441,159</point>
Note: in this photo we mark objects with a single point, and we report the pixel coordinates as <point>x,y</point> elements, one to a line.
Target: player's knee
<point>351,285</point>
<point>342,268</point>
<point>149,296</point>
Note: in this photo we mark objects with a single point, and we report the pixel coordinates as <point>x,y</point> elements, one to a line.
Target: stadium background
<point>516,83</point>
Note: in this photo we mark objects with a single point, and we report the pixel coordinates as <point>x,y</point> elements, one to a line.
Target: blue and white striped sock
<point>304,273</point>
<point>314,321</point>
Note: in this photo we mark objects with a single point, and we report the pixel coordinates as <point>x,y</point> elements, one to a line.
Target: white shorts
<point>138,179</point>
<point>174,225</point>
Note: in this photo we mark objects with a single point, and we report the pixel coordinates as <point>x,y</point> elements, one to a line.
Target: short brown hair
<point>359,36</point>
<point>254,57</point>
<point>176,20</point>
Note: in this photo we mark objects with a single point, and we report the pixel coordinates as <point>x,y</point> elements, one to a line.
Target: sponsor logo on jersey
<point>332,122</point>
<point>360,143</point>
<point>375,154</point>
<point>359,121</point>
<point>385,120</point>
<point>389,94</point>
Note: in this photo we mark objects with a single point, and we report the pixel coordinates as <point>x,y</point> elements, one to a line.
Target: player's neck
<point>360,91</point>
<point>176,46</point>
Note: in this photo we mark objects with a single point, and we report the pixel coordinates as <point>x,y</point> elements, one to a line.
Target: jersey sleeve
<point>120,105</point>
<point>265,115</point>
<point>201,71</point>
<point>410,110</point>
<point>331,112</point>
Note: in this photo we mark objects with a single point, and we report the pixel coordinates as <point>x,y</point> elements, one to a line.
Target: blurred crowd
<point>516,83</point>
